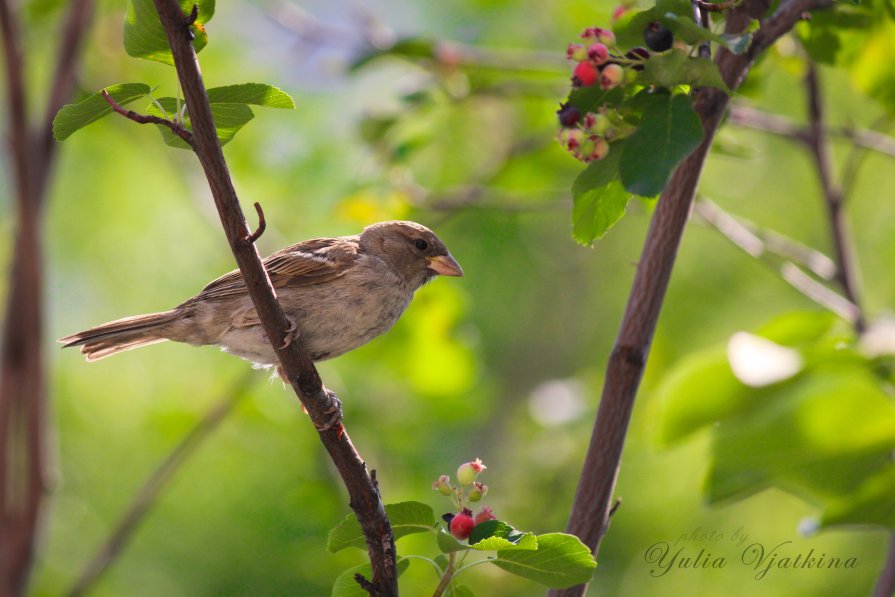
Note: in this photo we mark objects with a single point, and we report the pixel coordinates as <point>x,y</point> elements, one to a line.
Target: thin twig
<point>749,117</point>
<point>149,119</point>
<point>757,241</point>
<point>843,251</point>
<point>148,495</point>
<point>262,225</point>
<point>701,16</point>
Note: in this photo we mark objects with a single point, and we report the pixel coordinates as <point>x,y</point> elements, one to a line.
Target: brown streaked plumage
<point>339,292</point>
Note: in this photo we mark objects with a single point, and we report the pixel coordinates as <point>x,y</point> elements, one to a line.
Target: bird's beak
<point>445,265</point>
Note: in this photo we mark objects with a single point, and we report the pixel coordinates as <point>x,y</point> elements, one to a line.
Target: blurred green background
<point>505,364</point>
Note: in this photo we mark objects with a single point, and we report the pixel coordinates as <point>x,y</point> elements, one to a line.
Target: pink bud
<point>478,491</point>
<point>443,485</point>
<point>597,53</point>
<point>485,514</point>
<point>468,471</point>
<point>576,52</point>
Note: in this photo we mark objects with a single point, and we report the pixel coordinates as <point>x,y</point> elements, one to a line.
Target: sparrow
<point>338,293</point>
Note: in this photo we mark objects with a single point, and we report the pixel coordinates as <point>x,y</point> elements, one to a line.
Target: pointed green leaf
<point>406,518</point>
<point>668,132</point>
<point>76,116</point>
<point>492,535</point>
<point>346,586</point>
<point>676,67</point>
<point>560,561</point>
<point>228,119</point>
<point>599,198</point>
<point>258,94</point>
<point>144,36</point>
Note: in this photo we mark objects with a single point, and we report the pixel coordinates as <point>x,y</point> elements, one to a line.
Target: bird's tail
<point>122,334</point>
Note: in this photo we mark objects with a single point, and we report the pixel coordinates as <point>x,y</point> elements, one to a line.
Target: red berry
<point>485,514</point>
<point>597,53</point>
<point>611,76</point>
<point>586,74</point>
<point>462,524</point>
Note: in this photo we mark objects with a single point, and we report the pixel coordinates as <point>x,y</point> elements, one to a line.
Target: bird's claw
<point>334,409</point>
<point>292,333</point>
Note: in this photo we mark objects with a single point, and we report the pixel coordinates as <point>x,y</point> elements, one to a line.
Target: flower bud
<point>576,52</point>
<point>468,471</point>
<point>478,491</point>
<point>443,485</point>
<point>485,514</point>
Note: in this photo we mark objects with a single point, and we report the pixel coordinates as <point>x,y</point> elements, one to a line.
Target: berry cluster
<point>601,62</point>
<point>467,490</point>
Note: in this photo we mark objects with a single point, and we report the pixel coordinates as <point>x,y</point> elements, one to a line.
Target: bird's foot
<point>335,410</point>
<point>292,333</point>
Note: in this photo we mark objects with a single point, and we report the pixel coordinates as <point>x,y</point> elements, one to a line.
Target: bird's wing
<point>313,261</point>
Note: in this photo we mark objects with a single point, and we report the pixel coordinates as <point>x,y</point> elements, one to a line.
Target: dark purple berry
<point>638,54</point>
<point>658,37</point>
<point>569,115</point>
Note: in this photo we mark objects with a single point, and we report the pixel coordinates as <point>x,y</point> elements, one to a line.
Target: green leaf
<point>76,116</point>
<point>560,561</point>
<point>599,198</point>
<point>686,29</point>
<point>144,36</point>
<point>699,391</point>
<point>869,503</point>
<point>346,586</point>
<point>447,543</point>
<point>676,67</point>
<point>229,108</point>
<point>406,518</point>
<point>668,132</point>
<point>258,94</point>
<point>493,535</point>
<point>460,591</point>
<point>824,431</point>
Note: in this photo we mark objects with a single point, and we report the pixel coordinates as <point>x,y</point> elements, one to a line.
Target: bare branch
<point>847,276</point>
<point>757,241</point>
<point>152,488</point>
<point>176,128</point>
<point>593,500</point>
<point>749,117</point>
<point>299,369</point>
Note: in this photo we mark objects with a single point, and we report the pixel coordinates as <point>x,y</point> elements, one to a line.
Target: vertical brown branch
<point>834,200</point>
<point>589,518</point>
<point>22,392</point>
<point>319,402</point>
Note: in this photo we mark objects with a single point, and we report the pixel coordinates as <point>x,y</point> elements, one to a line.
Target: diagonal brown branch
<point>176,128</point>
<point>152,488</point>
<point>319,402</point>
<point>589,518</point>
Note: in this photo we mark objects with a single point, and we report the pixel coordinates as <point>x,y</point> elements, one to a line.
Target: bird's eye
<point>421,244</point>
